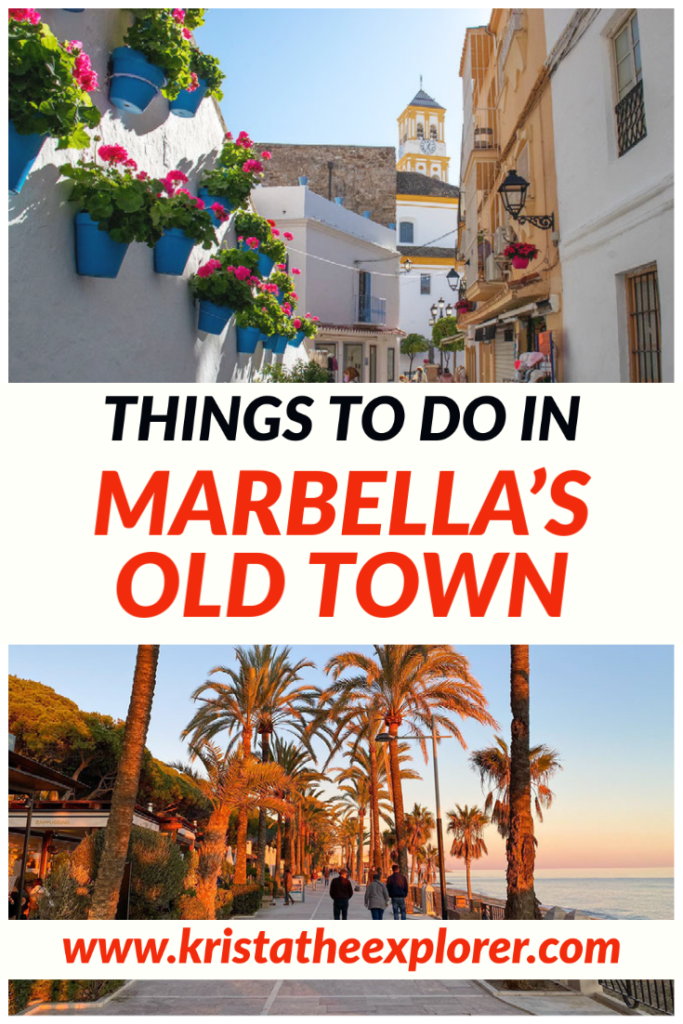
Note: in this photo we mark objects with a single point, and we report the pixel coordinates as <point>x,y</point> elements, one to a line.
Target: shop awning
<point>29,777</point>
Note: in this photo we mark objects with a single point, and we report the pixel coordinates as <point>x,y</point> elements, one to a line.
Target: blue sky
<point>337,76</point>
<point>607,710</point>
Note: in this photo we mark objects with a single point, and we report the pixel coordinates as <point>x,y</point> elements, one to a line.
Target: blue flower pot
<point>210,200</point>
<point>186,103</point>
<point>73,10</point>
<point>303,180</point>
<point>247,340</point>
<point>280,344</point>
<point>298,339</point>
<point>212,318</point>
<point>23,150</point>
<point>172,252</point>
<point>134,81</point>
<point>268,341</point>
<point>97,255</point>
<point>265,264</point>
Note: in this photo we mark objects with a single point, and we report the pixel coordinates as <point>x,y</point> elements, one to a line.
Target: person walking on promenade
<point>377,897</point>
<point>288,883</point>
<point>397,886</point>
<point>326,875</point>
<point>314,878</point>
<point>341,891</point>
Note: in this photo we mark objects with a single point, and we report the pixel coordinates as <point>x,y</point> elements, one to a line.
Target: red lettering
<point>478,601</point>
<point>332,560</point>
<point>276,585</point>
<point>194,609</point>
<point>411,582</point>
<point>399,509</point>
<point>245,503</point>
<point>578,508</point>
<point>551,599</point>
<point>505,481</point>
<point>111,489</point>
<point>301,500</point>
<point>202,481</point>
<point>355,501</point>
<point>442,506</point>
<point>124,585</point>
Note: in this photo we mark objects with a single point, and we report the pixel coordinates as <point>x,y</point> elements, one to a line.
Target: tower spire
<point>420,81</point>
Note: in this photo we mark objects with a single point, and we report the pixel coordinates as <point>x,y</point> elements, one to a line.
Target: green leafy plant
<point>177,208</point>
<point>265,314</point>
<point>49,84</point>
<point>308,324</point>
<point>162,36</point>
<point>251,226</point>
<point>301,373</point>
<point>203,65</point>
<point>239,168</point>
<point>227,279</point>
<point>246,899</point>
<point>120,198</point>
<point>412,345</point>
<point>444,328</point>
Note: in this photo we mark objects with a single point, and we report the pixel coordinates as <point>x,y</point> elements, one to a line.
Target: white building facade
<point>612,96</point>
<point>141,326</point>
<point>349,279</point>
<point>427,223</point>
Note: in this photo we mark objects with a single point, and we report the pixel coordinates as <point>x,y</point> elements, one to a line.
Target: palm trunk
<point>375,855</point>
<point>521,899</point>
<point>278,854</point>
<point>262,816</point>
<point>359,858</point>
<point>241,846</point>
<point>399,815</point>
<point>413,864</point>
<point>211,854</point>
<point>117,835</point>
<point>469,878</point>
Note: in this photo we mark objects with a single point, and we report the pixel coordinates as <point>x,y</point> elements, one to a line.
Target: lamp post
<point>385,737</point>
<point>437,312</point>
<point>513,193</point>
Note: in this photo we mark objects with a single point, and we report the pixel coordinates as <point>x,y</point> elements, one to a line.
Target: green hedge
<point>22,992</point>
<point>246,899</point>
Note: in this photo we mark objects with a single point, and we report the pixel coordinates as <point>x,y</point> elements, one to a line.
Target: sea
<point>639,898</point>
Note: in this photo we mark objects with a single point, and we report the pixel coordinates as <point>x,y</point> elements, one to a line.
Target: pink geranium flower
<point>24,14</point>
<point>297,323</point>
<point>209,268</point>
<point>194,85</point>
<point>265,155</point>
<point>275,233</point>
<point>179,15</point>
<point>113,154</point>
<point>220,212</point>
<point>242,273</point>
<point>74,46</point>
<point>142,176</point>
<point>316,318</point>
<point>187,34</point>
<point>253,243</point>
<point>295,296</point>
<point>199,203</point>
<point>130,163</point>
<point>252,166</point>
<point>177,176</point>
<point>271,222</point>
<point>288,236</point>
<point>295,271</point>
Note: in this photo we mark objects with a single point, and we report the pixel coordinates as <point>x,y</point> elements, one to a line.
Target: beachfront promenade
<point>318,907</point>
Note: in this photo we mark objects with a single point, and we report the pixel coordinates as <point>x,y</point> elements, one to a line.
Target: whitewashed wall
<point>615,213</point>
<point>140,327</point>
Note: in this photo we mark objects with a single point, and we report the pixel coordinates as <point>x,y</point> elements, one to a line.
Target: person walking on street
<point>341,891</point>
<point>288,883</point>
<point>314,878</point>
<point>377,897</point>
<point>326,875</point>
<point>397,886</point>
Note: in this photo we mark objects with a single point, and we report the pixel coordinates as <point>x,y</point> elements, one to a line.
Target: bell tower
<point>421,140</point>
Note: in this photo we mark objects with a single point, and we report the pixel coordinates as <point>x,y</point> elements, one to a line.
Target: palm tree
<point>261,696</point>
<point>520,846</point>
<point>233,783</point>
<point>296,762</point>
<point>467,825</point>
<point>493,765</point>
<point>117,834</point>
<point>419,827</point>
<point>405,683</point>
<point>428,860</point>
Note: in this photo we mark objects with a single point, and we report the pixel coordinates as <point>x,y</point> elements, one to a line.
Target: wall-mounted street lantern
<point>407,265</point>
<point>453,278</point>
<point>513,193</point>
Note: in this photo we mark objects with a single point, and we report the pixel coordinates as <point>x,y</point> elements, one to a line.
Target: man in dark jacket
<point>341,891</point>
<point>397,886</point>
<point>288,883</point>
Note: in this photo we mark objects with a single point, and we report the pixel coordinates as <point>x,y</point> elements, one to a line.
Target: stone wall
<point>364,175</point>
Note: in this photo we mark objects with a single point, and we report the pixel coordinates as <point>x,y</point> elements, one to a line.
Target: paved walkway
<point>321,998</point>
<point>318,907</point>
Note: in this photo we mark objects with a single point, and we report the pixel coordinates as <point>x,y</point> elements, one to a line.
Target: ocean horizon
<point>626,894</point>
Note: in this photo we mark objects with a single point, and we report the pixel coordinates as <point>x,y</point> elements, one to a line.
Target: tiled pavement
<point>318,906</point>
<point>301,998</point>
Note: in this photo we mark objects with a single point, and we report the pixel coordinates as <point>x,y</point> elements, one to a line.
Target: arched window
<point>405,232</point>
<point>432,132</point>
<point>420,131</point>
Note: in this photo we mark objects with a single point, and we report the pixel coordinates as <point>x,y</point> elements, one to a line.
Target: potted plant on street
<point>285,286</point>
<point>224,286</point>
<point>156,56</point>
<point>207,79</point>
<point>238,170</point>
<point>259,322</point>
<point>116,208</point>
<point>185,223</point>
<point>49,87</point>
<point>260,235</point>
<point>463,306</point>
<point>520,253</point>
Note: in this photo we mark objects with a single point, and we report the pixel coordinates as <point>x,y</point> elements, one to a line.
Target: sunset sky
<point>607,710</point>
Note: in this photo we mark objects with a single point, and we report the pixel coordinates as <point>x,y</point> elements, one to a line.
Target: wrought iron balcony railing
<point>371,310</point>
